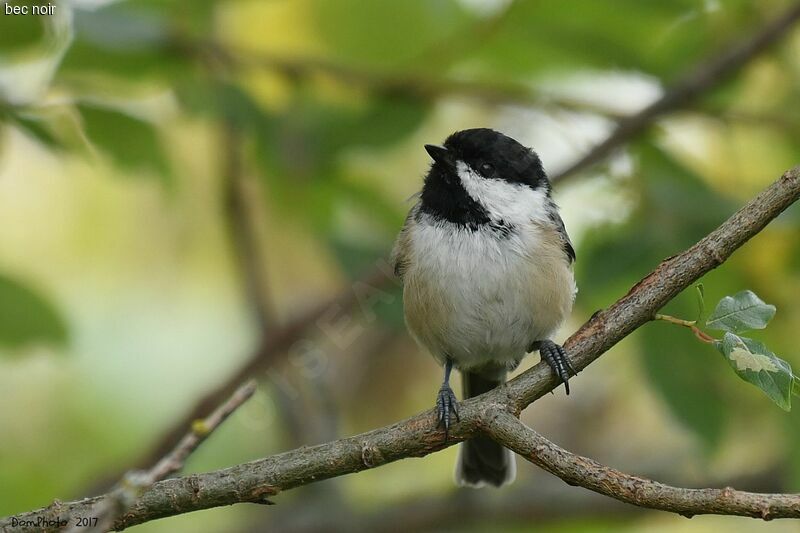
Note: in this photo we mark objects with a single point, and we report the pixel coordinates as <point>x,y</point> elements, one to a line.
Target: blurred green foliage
<point>18,33</point>
<point>131,142</point>
<point>27,317</point>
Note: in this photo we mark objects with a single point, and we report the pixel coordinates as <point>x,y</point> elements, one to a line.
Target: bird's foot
<point>557,358</point>
<point>446,404</point>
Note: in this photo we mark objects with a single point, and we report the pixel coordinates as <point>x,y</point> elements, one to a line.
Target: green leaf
<point>26,317</point>
<point>133,143</point>
<point>741,312</point>
<point>754,363</point>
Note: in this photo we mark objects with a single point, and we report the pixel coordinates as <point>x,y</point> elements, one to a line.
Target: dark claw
<point>569,364</point>
<point>446,403</point>
<point>557,358</point>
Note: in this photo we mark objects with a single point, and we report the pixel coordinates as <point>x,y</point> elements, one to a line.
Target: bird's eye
<point>487,167</point>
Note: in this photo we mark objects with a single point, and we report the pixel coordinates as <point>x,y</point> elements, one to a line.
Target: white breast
<point>479,297</point>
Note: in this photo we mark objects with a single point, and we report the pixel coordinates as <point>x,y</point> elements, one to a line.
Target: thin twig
<point>133,484</point>
<point>691,324</point>
<point>201,429</point>
<point>256,481</point>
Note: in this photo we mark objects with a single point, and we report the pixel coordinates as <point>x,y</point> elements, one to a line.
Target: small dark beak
<point>440,154</point>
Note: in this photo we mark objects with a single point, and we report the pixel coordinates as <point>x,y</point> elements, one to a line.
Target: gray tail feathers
<point>481,461</point>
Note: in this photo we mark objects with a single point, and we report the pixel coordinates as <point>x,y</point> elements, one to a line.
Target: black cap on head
<point>491,155</point>
<point>497,156</point>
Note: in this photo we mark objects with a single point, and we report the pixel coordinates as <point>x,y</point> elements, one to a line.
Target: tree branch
<point>201,429</point>
<point>540,499</point>
<point>418,436</point>
<point>128,490</point>
<point>503,427</point>
<point>272,345</point>
<point>650,294</point>
<point>242,201</point>
<point>697,81</point>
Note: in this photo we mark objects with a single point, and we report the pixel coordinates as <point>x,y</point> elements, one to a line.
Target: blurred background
<point>196,192</point>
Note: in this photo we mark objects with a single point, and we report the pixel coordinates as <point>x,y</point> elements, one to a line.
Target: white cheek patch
<point>513,203</point>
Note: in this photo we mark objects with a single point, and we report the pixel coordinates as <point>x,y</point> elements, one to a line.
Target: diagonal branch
<point>417,436</point>
<point>696,82</point>
<point>128,489</point>
<point>673,275</point>
<point>503,427</point>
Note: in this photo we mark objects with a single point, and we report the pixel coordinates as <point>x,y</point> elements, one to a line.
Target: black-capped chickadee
<point>486,265</point>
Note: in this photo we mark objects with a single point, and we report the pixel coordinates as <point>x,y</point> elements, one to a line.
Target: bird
<point>486,266</point>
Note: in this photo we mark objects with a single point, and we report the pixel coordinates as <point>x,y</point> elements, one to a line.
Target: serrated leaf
<point>741,312</point>
<point>26,317</point>
<point>756,364</point>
